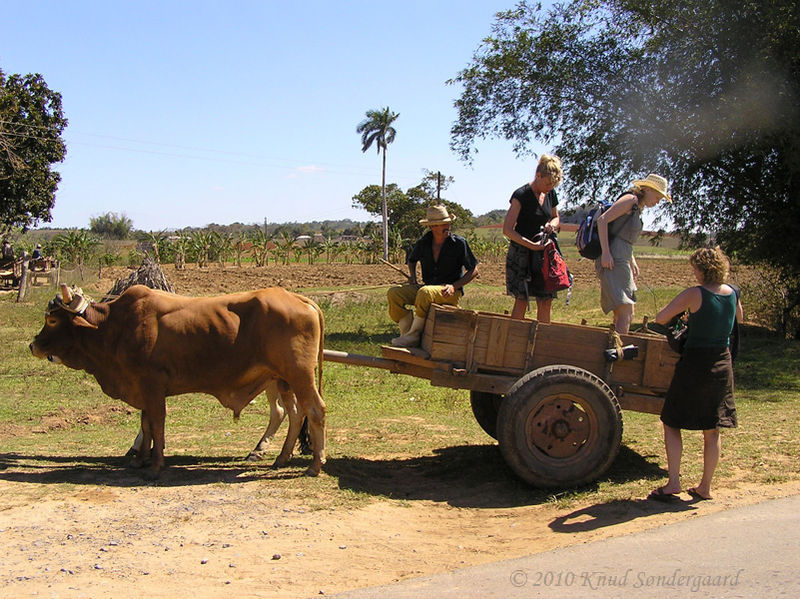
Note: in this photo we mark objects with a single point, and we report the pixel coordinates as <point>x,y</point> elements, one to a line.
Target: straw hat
<point>437,215</point>
<point>655,182</point>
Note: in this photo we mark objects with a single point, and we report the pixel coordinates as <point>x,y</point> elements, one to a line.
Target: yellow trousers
<point>419,296</point>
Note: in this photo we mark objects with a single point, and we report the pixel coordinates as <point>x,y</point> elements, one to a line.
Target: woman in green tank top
<point>700,396</point>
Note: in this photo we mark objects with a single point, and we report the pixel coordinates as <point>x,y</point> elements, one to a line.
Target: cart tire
<point>559,426</point>
<point>485,408</point>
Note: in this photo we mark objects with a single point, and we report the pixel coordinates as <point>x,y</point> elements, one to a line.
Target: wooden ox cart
<point>547,392</point>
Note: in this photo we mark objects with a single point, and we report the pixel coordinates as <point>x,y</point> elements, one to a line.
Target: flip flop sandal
<point>660,495</point>
<point>693,492</point>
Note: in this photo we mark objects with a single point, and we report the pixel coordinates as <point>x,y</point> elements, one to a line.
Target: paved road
<point>745,552</point>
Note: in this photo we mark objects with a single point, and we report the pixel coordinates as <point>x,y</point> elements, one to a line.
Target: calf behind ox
<point>147,345</point>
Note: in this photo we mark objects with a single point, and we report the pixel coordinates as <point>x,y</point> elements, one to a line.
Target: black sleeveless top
<point>532,217</point>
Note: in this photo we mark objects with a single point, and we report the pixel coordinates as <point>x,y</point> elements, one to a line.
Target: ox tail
<point>320,355</point>
<point>321,347</point>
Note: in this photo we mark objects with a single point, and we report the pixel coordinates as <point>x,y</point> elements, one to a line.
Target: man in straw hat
<point>447,265</point>
<point>619,228</point>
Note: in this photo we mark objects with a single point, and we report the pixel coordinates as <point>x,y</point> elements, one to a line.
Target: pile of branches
<point>148,274</point>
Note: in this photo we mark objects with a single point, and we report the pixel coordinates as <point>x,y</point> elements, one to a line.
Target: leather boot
<point>411,338</point>
<point>405,322</point>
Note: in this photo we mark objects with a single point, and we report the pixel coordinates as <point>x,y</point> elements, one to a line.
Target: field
<point>412,485</point>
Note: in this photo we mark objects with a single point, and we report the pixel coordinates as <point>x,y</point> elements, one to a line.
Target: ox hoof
<point>137,462</point>
<point>311,471</point>
<point>151,474</point>
<point>256,456</point>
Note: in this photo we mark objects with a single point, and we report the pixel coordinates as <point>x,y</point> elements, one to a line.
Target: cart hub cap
<point>559,428</point>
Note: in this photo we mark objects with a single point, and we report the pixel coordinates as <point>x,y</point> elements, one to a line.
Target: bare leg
<point>623,316</point>
<point>712,446</point>
<point>543,306</point>
<point>520,307</point>
<point>673,442</point>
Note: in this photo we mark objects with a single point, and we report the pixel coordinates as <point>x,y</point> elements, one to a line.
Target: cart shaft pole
<point>342,357</point>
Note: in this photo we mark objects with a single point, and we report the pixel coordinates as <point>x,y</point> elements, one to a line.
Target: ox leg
<point>295,424</point>
<point>314,408</point>
<point>137,448</point>
<point>152,446</point>
<point>143,442</point>
<point>277,413</point>
<point>156,416</point>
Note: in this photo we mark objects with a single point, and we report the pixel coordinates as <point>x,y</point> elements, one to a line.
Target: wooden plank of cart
<point>546,391</point>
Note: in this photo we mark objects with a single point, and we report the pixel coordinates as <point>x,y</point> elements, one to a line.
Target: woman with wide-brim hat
<point>619,228</point>
<point>447,265</point>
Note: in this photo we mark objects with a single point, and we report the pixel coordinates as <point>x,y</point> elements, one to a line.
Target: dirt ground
<point>216,280</point>
<point>233,533</point>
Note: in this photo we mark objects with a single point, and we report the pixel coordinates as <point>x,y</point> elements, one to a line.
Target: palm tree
<point>377,127</point>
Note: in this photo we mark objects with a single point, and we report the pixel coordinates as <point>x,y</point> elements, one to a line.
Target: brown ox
<point>147,345</point>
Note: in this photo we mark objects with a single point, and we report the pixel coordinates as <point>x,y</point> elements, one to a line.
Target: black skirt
<point>524,278</point>
<point>700,396</point>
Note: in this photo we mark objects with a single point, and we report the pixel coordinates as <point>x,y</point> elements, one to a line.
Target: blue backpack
<point>587,240</point>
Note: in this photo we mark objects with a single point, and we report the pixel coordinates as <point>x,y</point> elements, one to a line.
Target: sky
<point>190,113</point>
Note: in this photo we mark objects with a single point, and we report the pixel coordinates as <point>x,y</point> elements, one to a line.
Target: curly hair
<point>550,166</point>
<point>712,263</point>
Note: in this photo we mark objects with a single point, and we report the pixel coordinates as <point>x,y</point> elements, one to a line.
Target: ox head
<point>63,325</point>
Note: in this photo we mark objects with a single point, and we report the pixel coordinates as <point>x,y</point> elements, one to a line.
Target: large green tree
<point>705,93</point>
<point>406,208</point>
<point>377,128</point>
<point>111,225</point>
<point>31,124</point>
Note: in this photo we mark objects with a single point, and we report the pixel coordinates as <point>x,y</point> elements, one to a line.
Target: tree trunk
<point>383,208</point>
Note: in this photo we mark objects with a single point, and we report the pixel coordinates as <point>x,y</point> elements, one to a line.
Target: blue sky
<point>189,113</point>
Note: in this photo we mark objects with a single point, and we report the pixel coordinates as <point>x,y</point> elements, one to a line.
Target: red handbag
<point>554,269</point>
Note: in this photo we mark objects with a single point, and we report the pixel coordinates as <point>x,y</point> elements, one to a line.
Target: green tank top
<point>712,324</point>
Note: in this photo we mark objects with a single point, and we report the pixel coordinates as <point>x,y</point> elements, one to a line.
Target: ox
<point>147,345</point>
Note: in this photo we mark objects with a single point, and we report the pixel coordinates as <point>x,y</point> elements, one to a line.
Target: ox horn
<point>66,294</point>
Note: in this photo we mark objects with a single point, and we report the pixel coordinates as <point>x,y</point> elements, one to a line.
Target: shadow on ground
<point>184,470</point>
<point>469,476</point>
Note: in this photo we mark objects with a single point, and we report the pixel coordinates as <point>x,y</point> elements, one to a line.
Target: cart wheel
<point>486,407</point>
<point>559,426</point>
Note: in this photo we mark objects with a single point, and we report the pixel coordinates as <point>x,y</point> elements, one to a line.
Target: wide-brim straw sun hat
<point>656,183</point>
<point>437,215</point>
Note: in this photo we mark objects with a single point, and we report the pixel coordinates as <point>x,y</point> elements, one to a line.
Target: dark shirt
<point>712,324</point>
<point>532,217</point>
<point>455,258</point>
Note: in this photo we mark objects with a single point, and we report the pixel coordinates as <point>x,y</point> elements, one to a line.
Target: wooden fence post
<point>23,280</point>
